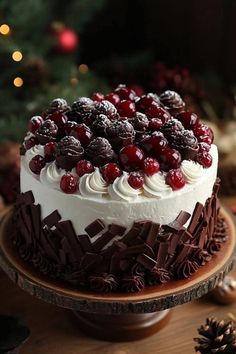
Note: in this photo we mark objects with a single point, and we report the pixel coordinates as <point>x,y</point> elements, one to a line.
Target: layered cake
<point>118,192</point>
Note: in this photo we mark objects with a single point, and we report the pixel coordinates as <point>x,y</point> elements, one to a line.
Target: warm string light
<point>74,81</point>
<point>17,55</point>
<point>4,29</point>
<point>18,81</point>
<point>83,68</point>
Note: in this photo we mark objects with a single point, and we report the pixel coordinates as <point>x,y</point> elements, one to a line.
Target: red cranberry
<point>49,151</point>
<point>155,111</point>
<point>69,126</point>
<point>150,166</point>
<point>68,183</point>
<point>83,133</point>
<point>154,144</point>
<point>34,123</point>
<point>59,118</point>
<point>126,109</point>
<point>113,98</point>
<point>170,159</point>
<point>175,179</point>
<point>202,147</point>
<point>125,93</point>
<point>155,124</point>
<point>131,157</point>
<point>205,159</point>
<point>136,180</point>
<point>36,164</point>
<point>97,96</point>
<point>205,139</point>
<point>110,172</point>
<point>83,167</point>
<point>203,133</point>
<point>188,119</point>
<point>32,141</point>
<point>144,102</point>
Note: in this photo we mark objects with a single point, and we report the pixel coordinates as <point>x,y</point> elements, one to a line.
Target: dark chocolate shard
<point>152,234</point>
<point>195,217</point>
<point>90,261</point>
<point>162,254</point>
<point>52,219</point>
<point>148,262</point>
<point>36,218</point>
<point>26,198</point>
<point>178,223</point>
<point>133,250</point>
<point>66,229</point>
<point>85,243</point>
<point>102,241</point>
<point>117,230</point>
<point>185,250</point>
<point>131,235</point>
<point>145,229</point>
<point>95,228</point>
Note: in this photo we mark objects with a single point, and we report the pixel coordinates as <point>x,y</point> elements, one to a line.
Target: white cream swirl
<point>191,170</point>
<point>51,175</point>
<point>121,190</point>
<point>35,150</point>
<point>93,185</point>
<point>155,186</point>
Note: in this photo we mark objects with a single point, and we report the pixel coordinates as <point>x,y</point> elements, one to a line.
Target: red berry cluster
<point>121,131</point>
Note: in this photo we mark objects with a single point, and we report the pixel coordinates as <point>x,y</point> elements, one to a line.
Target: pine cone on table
<point>217,337</point>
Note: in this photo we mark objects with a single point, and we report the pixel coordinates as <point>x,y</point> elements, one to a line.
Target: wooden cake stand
<point>116,316</point>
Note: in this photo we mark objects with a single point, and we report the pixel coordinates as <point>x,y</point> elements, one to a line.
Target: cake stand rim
<point>150,300</point>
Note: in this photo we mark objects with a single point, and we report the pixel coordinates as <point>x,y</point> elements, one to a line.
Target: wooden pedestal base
<point>126,327</point>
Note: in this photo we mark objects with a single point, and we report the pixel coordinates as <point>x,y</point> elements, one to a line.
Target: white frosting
<point>35,150</point>
<point>93,185</point>
<point>191,170</point>
<point>155,186</point>
<point>82,210</point>
<point>121,190</point>
<point>51,175</point>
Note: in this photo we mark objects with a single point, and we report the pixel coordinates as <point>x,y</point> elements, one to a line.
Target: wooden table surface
<point>55,330</point>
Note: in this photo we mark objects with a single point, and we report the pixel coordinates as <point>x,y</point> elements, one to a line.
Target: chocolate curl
<point>162,254</point>
<point>95,228</point>
<point>152,235</point>
<point>178,223</point>
<point>67,230</point>
<point>195,218</point>
<point>183,253</point>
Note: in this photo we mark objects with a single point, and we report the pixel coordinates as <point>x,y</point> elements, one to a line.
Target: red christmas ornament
<point>68,40</point>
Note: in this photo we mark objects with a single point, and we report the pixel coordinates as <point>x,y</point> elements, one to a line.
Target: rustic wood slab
<point>152,299</point>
